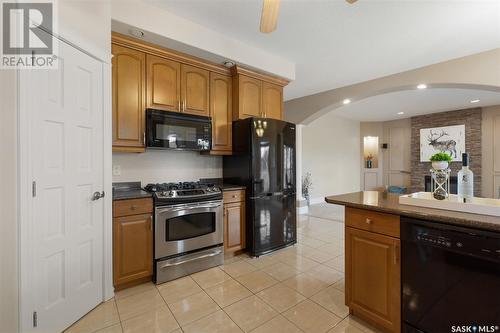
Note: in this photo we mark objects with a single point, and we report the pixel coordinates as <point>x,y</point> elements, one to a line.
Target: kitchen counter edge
<point>389,203</point>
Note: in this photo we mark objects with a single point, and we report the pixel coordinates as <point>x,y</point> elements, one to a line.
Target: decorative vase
<point>369,164</point>
<point>439,165</point>
<point>440,183</point>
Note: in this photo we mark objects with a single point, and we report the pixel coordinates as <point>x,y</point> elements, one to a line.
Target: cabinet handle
<point>144,138</point>
<point>368,221</point>
<point>234,196</point>
<point>133,207</point>
<point>179,105</point>
<point>151,223</point>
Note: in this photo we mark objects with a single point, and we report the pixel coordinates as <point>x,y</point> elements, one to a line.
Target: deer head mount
<point>444,146</point>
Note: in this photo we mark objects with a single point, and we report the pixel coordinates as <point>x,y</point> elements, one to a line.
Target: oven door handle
<point>178,209</point>
<point>213,254</point>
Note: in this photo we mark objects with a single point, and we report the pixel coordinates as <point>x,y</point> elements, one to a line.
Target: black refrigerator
<point>263,161</point>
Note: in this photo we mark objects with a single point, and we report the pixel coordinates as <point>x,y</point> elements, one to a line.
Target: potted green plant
<point>440,161</point>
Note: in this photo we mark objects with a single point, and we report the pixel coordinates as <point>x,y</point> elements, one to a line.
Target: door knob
<point>97,195</point>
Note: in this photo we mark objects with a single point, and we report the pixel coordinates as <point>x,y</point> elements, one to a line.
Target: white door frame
<point>25,202</point>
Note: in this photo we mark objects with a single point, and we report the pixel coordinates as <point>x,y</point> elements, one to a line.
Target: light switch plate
<point>117,170</point>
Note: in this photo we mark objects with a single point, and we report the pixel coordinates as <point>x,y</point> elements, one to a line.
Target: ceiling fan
<point>270,11</point>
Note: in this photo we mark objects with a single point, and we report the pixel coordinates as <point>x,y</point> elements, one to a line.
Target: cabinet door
<point>132,248</point>
<point>128,84</point>
<point>272,101</point>
<point>195,84</point>
<point>373,278</point>
<point>164,84</point>
<point>234,226</point>
<point>221,112</point>
<point>250,97</point>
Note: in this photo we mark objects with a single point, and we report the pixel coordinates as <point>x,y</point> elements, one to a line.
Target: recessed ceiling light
<point>475,101</point>
<point>401,112</point>
<point>346,101</point>
<point>137,33</point>
<point>421,86</point>
<point>229,63</point>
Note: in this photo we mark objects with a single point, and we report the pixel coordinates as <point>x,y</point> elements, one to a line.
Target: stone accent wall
<point>472,120</point>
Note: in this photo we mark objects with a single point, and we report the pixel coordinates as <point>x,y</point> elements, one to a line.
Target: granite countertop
<point>129,190</point>
<point>389,203</point>
<point>231,187</point>
<point>220,183</point>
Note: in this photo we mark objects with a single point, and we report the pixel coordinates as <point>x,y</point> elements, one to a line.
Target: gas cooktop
<point>183,192</point>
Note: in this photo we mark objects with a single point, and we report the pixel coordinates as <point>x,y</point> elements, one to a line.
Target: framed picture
<point>449,139</point>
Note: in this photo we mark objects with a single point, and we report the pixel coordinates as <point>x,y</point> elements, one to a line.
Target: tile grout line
<point>118,312</point>
<point>220,307</point>
<point>170,309</point>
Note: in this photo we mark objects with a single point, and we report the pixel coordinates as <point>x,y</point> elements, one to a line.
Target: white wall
<point>331,153</point>
<point>156,166</point>
<point>87,24</point>
<point>9,286</point>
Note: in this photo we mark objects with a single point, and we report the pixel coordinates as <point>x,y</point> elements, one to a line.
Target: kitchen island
<point>389,203</point>
<point>416,269</point>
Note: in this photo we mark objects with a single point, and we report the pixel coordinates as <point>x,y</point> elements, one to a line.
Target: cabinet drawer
<point>132,207</point>
<point>234,196</point>
<point>382,223</point>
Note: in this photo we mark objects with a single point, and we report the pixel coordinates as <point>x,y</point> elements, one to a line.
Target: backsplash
<point>156,166</point>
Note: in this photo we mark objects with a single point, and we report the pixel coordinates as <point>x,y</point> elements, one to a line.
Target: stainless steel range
<point>188,228</point>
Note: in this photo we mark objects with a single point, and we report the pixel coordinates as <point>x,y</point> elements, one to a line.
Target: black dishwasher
<point>450,278</point>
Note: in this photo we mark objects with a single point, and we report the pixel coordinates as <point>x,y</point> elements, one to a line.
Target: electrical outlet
<point>117,170</point>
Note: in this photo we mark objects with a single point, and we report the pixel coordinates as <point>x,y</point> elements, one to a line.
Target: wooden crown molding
<point>237,69</point>
<point>149,48</point>
<point>140,45</point>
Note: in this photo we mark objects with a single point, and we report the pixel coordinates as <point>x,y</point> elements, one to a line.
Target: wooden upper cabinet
<point>272,101</point>
<point>248,95</point>
<point>195,83</point>
<point>163,84</point>
<point>128,89</point>
<point>221,112</point>
<point>373,278</point>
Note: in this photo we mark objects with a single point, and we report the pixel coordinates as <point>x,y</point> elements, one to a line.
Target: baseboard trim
<point>317,200</point>
<point>303,210</point>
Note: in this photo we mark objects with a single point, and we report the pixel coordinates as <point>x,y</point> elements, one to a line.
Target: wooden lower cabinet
<point>132,249</point>
<point>373,278</point>
<point>234,223</point>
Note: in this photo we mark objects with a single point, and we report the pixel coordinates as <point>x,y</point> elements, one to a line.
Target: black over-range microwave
<point>174,130</point>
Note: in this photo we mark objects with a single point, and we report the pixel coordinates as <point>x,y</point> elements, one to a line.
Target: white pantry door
<point>66,111</point>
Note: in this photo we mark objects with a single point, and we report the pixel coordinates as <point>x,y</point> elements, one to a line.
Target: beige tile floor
<point>298,289</point>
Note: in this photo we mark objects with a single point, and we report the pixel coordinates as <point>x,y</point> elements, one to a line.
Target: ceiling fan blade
<point>269,18</point>
<point>351,1</point>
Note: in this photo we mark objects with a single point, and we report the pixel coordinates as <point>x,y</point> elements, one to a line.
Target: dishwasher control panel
<point>435,240</point>
<point>478,243</point>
